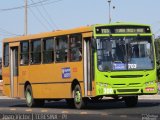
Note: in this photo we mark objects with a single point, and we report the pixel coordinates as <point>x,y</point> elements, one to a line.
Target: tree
<point>157,48</point>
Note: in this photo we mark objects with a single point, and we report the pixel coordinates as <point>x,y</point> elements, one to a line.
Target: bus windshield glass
<point>125,53</point>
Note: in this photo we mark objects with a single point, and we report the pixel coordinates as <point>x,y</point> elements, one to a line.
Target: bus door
<point>14,68</point>
<point>88,68</point>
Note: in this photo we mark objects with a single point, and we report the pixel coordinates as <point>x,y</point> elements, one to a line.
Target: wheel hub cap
<point>78,97</point>
<point>28,96</point>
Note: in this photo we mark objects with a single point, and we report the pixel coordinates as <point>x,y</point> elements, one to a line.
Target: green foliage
<point>157,48</point>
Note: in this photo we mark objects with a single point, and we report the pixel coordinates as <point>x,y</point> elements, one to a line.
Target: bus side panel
<point>21,91</point>
<point>23,77</point>
<point>6,81</point>
<point>51,80</point>
<point>50,91</point>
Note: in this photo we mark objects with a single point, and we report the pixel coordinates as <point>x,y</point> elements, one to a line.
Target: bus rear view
<point>124,61</point>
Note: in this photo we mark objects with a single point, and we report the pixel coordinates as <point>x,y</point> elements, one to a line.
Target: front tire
<point>30,101</point>
<point>131,101</point>
<point>79,102</point>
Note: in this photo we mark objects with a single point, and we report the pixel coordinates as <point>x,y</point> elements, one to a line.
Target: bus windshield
<point>125,53</point>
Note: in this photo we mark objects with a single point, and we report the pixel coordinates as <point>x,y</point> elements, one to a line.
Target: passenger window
<point>48,50</point>
<point>61,49</point>
<point>6,55</point>
<point>35,52</point>
<point>24,53</point>
<point>75,47</point>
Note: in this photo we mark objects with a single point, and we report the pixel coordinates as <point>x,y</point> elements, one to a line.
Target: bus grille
<point>133,84</point>
<point>126,76</point>
<point>127,90</point>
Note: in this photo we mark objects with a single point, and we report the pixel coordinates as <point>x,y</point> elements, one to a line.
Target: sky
<point>65,14</point>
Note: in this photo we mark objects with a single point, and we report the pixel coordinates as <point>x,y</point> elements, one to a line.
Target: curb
<point>149,97</point>
<point>5,97</point>
<point>142,97</point>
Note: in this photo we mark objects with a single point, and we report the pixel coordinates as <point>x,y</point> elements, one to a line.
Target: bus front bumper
<point>107,90</point>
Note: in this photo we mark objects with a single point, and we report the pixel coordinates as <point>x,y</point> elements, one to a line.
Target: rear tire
<point>131,101</point>
<point>30,101</point>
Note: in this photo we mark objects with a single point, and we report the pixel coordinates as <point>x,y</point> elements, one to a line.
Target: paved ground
<point>142,97</point>
<point>1,87</point>
<point>150,97</point>
<point>147,109</point>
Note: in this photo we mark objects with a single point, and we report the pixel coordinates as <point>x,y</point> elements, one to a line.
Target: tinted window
<point>61,48</point>
<point>36,51</point>
<point>125,53</point>
<point>24,53</point>
<point>48,50</point>
<point>6,55</point>
<point>75,47</point>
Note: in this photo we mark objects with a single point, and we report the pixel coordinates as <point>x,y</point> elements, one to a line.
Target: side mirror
<point>94,43</point>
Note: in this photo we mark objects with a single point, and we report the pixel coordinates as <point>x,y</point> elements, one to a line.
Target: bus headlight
<point>150,83</point>
<point>147,83</point>
<point>102,84</point>
<point>105,85</point>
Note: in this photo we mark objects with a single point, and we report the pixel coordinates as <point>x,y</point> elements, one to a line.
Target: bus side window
<point>6,55</point>
<point>75,48</point>
<point>61,48</point>
<point>35,52</point>
<point>48,50</point>
<point>24,55</point>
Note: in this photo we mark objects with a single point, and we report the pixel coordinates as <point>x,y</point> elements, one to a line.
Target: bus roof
<point>50,34</point>
<point>70,31</point>
<point>123,24</point>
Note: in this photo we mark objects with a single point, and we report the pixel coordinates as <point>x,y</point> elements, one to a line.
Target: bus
<point>87,63</point>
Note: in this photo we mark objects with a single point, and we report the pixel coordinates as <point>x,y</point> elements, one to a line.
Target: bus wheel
<point>131,101</point>
<point>79,102</point>
<point>31,102</point>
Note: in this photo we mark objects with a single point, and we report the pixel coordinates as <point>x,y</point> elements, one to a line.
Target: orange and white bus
<point>76,64</point>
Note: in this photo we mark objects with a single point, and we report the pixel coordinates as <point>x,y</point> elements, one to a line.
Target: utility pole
<point>109,3</point>
<point>26,19</point>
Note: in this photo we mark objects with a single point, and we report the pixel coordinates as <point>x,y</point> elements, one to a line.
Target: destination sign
<point>122,29</point>
<point>102,30</point>
<point>130,30</point>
